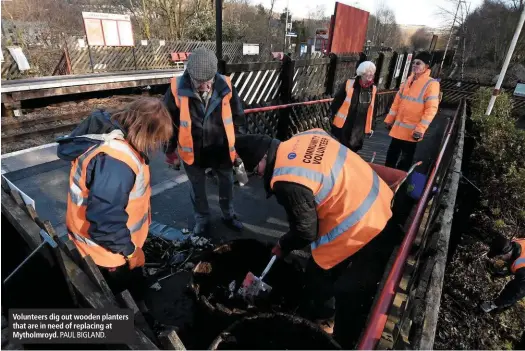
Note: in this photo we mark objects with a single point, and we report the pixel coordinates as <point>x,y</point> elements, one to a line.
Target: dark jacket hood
<point>75,144</point>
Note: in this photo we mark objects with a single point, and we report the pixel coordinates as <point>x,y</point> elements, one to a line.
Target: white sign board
<point>108,29</point>
<point>399,63</point>
<point>250,49</point>
<point>19,57</point>
<point>407,68</point>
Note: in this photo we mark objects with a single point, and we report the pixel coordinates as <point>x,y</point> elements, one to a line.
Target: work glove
<point>277,251</point>
<point>173,160</point>
<point>388,126</point>
<point>488,306</point>
<point>136,259</point>
<point>417,135</point>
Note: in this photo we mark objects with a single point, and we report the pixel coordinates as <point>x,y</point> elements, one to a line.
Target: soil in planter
<point>274,332</point>
<point>231,262</point>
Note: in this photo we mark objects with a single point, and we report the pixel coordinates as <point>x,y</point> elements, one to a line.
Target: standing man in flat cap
<point>512,252</point>
<point>415,106</point>
<point>207,114</point>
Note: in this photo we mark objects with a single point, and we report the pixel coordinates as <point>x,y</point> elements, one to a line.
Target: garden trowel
<point>252,286</point>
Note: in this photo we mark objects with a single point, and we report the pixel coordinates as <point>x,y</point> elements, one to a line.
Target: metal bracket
<point>46,239</point>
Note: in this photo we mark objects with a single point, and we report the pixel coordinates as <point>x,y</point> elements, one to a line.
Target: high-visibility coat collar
<point>342,114</point>
<point>520,261</point>
<point>137,209</point>
<point>352,202</point>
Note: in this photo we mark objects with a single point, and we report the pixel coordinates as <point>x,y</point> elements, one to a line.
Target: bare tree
<point>421,39</point>
<point>386,31</point>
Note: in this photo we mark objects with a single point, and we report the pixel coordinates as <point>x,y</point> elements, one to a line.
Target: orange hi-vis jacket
<point>342,113</point>
<point>520,262</point>
<point>352,202</point>
<point>138,208</point>
<point>185,139</point>
<point>414,107</point>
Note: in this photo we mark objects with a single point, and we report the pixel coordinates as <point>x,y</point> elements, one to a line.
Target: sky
<point>417,12</point>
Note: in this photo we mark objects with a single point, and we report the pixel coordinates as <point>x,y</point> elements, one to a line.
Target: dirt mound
<point>228,264</point>
<point>274,332</point>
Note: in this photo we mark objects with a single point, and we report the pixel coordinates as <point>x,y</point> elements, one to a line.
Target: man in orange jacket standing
<point>414,108</point>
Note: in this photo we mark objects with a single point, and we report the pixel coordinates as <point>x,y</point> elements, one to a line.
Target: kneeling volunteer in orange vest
<point>207,114</point>
<point>513,253</point>
<point>335,203</point>
<point>108,205</point>
<point>415,106</point>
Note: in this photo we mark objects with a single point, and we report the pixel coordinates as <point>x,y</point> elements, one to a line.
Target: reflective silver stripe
<point>419,99</point>
<point>410,98</point>
<point>425,122</point>
<point>228,121</point>
<point>327,181</point>
<point>299,172</point>
<point>340,115</point>
<point>392,113</point>
<point>432,97</point>
<point>335,171</point>
<point>184,124</point>
<point>354,217</point>
<point>404,125</point>
<point>83,239</point>
<point>140,181</point>
<point>76,195</point>
<point>186,149</point>
<point>422,92</point>
<point>347,99</point>
<point>136,227</point>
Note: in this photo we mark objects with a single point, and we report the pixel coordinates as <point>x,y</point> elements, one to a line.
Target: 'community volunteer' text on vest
<point>353,203</point>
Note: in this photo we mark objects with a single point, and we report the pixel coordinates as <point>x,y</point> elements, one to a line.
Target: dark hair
<point>147,123</point>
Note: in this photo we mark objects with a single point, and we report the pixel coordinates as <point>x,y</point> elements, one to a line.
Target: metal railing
<point>433,190</point>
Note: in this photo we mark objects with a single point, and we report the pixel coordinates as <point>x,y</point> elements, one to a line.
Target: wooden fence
<point>288,81</point>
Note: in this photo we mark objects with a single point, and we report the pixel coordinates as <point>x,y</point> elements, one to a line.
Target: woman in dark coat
<point>353,108</point>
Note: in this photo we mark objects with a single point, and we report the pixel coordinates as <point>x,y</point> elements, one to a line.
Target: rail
<point>379,315</point>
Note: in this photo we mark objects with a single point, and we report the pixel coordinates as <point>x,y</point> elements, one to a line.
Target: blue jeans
<point>199,199</point>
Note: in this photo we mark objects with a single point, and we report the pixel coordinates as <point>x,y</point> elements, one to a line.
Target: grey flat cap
<point>202,64</point>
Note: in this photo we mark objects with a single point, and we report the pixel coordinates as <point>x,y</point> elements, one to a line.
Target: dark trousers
<point>400,154</point>
<point>122,278</point>
<point>319,299</point>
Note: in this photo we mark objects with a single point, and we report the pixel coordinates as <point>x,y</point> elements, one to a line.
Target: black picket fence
<point>261,84</point>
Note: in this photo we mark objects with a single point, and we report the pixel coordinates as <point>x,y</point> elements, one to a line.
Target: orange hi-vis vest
<point>185,144</point>
<point>520,261</point>
<point>138,208</point>
<point>414,107</point>
<point>353,203</point>
<point>342,113</point>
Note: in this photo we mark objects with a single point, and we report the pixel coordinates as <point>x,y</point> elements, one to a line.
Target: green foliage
<point>498,164</point>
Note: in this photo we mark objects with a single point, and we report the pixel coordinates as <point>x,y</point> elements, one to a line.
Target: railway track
<point>14,131</point>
